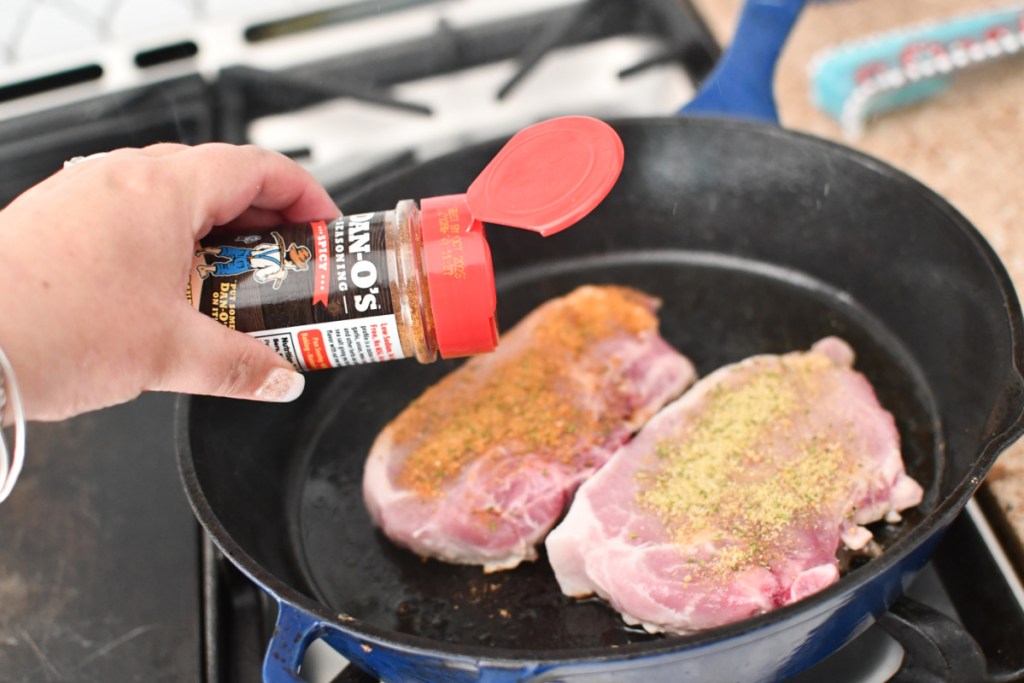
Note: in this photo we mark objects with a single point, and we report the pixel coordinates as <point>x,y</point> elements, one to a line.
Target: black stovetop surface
<point>99,567</point>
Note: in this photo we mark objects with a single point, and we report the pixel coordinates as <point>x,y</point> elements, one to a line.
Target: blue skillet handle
<point>741,83</point>
<point>293,635</point>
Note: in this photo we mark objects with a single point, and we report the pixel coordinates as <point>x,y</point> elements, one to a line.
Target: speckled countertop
<point>967,144</point>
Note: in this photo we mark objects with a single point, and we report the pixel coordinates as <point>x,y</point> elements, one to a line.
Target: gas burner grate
<point>176,97</point>
<point>526,39</point>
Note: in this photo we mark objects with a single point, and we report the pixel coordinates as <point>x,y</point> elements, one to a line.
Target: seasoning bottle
<point>415,281</point>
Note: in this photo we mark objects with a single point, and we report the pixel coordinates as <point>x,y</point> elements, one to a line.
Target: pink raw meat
<point>734,499</point>
<point>481,466</point>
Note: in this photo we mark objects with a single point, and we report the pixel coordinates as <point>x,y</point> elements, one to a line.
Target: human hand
<point>96,260</point>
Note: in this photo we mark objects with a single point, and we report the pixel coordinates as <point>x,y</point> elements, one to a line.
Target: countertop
<point>967,144</point>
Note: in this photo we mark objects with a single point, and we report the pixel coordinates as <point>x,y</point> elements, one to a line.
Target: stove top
<point>356,89</point>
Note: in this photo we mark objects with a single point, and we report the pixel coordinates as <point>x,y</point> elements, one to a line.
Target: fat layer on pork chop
<point>480,467</point>
<point>734,499</point>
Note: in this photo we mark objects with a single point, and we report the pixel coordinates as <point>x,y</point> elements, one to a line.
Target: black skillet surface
<point>757,240</point>
<point>704,297</point>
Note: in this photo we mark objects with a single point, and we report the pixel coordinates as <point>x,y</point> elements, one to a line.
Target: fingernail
<point>282,385</point>
<point>77,160</point>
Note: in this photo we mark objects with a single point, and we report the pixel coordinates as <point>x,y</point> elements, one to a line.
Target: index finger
<point>228,179</point>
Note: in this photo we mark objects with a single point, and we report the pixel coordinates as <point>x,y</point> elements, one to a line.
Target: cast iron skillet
<point>757,240</point>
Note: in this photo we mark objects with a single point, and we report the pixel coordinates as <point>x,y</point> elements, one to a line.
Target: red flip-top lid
<point>546,178</point>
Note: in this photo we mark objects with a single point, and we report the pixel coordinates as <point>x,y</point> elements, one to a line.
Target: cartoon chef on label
<point>269,262</point>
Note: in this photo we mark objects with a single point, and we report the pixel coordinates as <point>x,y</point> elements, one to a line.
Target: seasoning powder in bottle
<point>413,281</point>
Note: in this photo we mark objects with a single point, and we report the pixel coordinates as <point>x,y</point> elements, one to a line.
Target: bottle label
<point>318,293</point>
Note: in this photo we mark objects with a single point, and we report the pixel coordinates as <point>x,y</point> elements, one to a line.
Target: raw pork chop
<point>734,500</point>
<point>480,467</point>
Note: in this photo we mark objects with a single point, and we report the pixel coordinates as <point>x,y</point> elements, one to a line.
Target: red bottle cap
<point>460,277</point>
<point>546,178</point>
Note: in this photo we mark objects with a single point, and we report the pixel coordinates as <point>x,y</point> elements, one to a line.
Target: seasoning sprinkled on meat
<point>735,498</point>
<point>481,465</point>
<point>518,399</point>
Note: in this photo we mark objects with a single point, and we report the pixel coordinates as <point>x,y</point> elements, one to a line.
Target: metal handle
<point>294,633</point>
<point>741,83</point>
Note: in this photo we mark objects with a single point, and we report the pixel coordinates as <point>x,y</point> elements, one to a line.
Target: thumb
<point>212,359</point>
